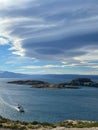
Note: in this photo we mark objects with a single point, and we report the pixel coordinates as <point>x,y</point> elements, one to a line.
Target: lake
<point>48,105</point>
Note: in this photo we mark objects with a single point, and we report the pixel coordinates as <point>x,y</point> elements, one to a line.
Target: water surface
<point>51,105</point>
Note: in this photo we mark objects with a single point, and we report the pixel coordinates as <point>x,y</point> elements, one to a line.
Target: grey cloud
<point>49,51</point>
<point>75,41</point>
<point>47,9</point>
<point>54,29</point>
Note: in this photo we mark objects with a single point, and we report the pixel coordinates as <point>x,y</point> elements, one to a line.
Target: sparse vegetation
<point>6,123</point>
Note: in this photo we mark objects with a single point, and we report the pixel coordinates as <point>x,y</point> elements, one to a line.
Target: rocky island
<point>42,84</point>
<point>74,84</point>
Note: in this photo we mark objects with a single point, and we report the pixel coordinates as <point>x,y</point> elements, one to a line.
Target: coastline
<point>65,125</point>
<point>58,128</point>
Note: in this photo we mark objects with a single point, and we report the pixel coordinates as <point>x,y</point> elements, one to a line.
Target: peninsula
<point>74,84</point>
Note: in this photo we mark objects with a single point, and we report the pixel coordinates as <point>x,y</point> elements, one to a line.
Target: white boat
<point>20,108</point>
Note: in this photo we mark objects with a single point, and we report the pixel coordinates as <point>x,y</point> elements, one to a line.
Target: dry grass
<point>17,125</point>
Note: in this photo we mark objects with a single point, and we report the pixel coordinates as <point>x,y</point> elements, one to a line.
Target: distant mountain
<point>46,77</point>
<point>7,74</point>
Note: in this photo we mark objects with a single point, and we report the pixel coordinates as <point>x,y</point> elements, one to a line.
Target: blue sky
<point>49,36</point>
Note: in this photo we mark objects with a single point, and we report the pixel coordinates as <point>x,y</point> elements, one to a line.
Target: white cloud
<point>43,67</point>
<point>50,66</point>
<point>4,41</point>
<point>12,4</point>
<point>90,56</point>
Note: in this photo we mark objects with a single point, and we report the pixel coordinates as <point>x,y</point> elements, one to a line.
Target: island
<point>74,84</point>
<point>42,84</point>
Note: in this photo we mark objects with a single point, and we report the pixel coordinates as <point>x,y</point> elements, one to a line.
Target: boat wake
<point>7,103</point>
<point>6,100</point>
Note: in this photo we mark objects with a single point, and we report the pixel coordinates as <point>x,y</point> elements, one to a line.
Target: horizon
<point>28,74</point>
<point>49,37</point>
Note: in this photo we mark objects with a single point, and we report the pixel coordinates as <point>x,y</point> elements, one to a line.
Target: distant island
<point>74,84</point>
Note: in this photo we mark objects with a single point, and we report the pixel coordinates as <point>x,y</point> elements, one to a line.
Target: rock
<point>42,84</point>
<point>81,81</point>
<point>74,84</point>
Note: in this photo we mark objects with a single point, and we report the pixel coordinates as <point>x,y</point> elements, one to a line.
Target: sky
<point>49,36</point>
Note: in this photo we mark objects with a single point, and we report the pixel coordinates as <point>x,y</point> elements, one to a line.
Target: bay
<point>48,105</point>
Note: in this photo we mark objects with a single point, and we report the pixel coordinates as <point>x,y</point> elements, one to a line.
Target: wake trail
<point>2,101</point>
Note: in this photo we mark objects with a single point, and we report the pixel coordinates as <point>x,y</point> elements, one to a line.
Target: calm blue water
<point>51,105</point>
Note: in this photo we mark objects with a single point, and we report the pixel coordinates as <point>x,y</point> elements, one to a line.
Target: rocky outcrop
<point>81,81</point>
<point>74,84</point>
<point>42,84</point>
<point>84,82</point>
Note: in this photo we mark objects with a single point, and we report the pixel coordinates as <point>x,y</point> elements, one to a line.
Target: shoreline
<point>65,125</point>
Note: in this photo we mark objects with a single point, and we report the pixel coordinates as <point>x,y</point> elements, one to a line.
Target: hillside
<point>17,125</point>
